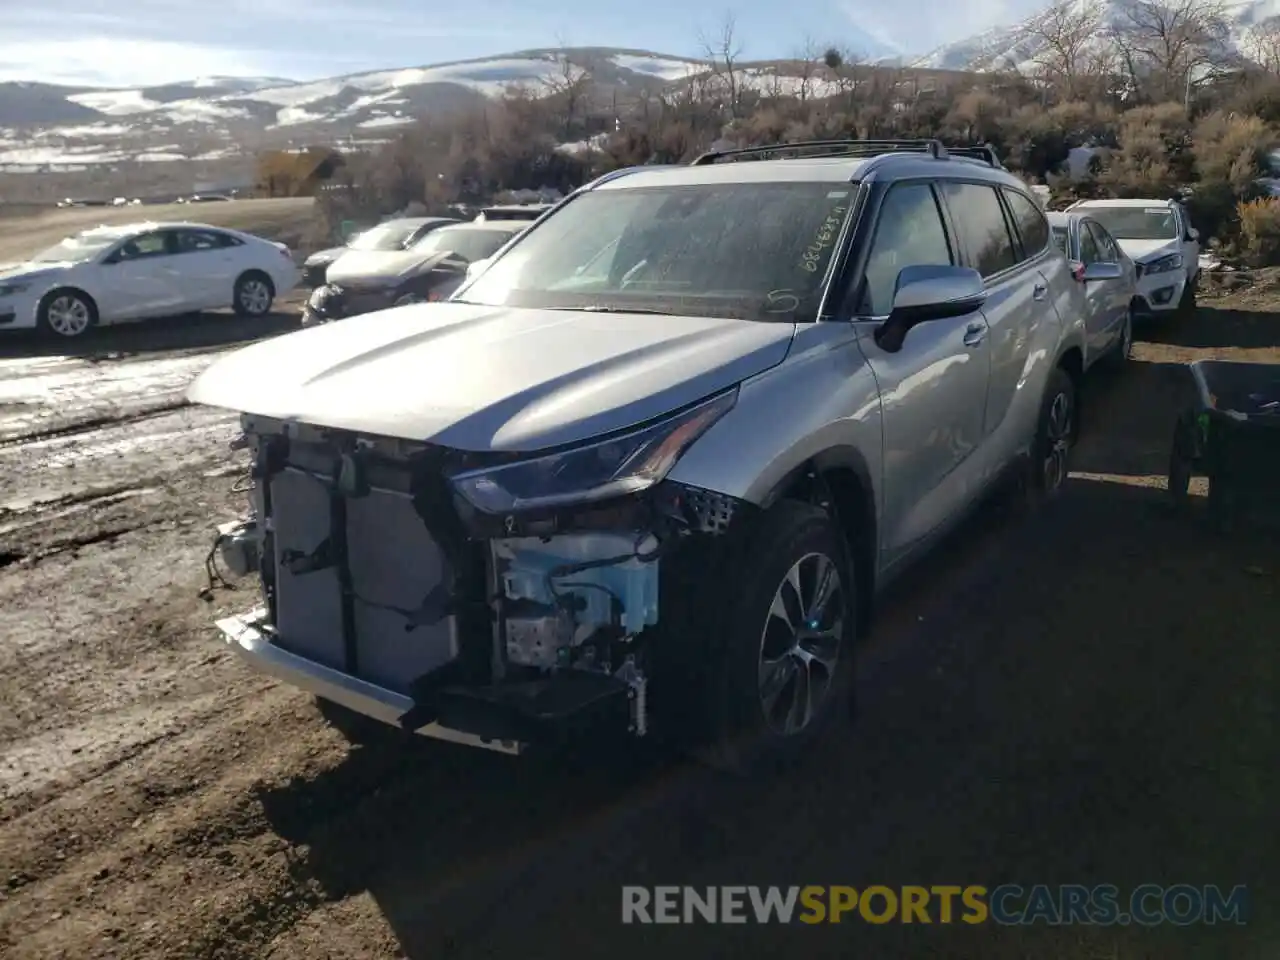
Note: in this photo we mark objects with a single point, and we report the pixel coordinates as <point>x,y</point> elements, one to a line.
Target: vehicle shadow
<point>1127,418</point>
<point>188,332</point>
<point>1212,327</point>
<point>1079,694</point>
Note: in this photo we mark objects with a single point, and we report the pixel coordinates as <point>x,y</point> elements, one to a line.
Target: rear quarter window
<point>1030,222</point>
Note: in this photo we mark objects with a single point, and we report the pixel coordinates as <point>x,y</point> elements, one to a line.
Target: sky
<point>150,42</point>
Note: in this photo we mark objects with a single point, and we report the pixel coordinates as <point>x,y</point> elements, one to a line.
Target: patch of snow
<point>584,146</point>
<point>218,154</point>
<point>114,103</point>
<point>200,111</point>
<point>88,130</point>
<point>292,116</point>
<point>54,157</point>
<point>664,68</point>
<point>385,122</point>
<point>490,77</point>
<point>159,157</point>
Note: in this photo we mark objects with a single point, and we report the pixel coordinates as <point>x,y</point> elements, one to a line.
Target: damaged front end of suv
<point>495,599</point>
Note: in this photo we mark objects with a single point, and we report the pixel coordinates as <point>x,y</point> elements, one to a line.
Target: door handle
<point>1040,291</point>
<point>974,334</point>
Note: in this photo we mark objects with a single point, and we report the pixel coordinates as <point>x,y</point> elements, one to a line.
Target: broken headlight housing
<point>603,469</point>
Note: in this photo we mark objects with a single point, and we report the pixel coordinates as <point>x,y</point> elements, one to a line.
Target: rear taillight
<point>1077,271</point>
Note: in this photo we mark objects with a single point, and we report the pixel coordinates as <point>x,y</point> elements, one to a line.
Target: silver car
<point>646,473</point>
<point>1110,283</point>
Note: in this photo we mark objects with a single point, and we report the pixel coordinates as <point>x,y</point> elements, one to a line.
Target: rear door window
<point>980,222</point>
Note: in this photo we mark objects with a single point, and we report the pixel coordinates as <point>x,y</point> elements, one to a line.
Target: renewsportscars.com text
<point>1009,904</point>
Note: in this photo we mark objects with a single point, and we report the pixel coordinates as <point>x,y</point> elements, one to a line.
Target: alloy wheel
<point>800,644</point>
<point>255,297</point>
<point>1058,430</point>
<point>68,316</point>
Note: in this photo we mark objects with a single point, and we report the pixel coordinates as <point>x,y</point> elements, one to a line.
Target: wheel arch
<point>839,481</point>
<point>256,273</point>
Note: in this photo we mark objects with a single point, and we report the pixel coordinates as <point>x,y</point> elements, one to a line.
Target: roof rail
<point>802,149</point>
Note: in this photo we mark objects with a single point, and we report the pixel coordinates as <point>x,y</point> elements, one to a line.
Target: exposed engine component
<point>239,544</point>
<point>633,677</point>
<point>567,599</point>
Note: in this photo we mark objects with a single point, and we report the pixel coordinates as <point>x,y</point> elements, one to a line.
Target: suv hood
<point>480,378</point>
<point>1144,251</point>
<point>357,268</point>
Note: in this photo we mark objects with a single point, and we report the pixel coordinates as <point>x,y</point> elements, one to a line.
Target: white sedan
<point>133,272</point>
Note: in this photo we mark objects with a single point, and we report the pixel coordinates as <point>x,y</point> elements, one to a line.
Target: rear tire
<point>1055,436</point>
<point>1119,356</point>
<point>780,672</point>
<point>253,295</point>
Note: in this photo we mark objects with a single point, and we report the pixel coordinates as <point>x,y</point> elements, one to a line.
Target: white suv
<point>1158,236</point>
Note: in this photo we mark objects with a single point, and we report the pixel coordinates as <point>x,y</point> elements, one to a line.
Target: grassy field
<point>290,221</point>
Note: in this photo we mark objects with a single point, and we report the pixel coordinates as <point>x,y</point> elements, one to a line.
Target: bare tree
<point>807,64</point>
<point>1067,35</point>
<point>1262,46</point>
<point>1169,46</point>
<point>844,69</point>
<point>724,50</point>
<point>569,87</point>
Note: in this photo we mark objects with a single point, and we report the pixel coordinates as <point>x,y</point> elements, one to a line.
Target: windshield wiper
<point>606,309</point>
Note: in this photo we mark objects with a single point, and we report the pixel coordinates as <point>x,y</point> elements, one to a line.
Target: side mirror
<point>475,268</point>
<point>1193,233</point>
<point>1102,271</point>
<point>927,293</point>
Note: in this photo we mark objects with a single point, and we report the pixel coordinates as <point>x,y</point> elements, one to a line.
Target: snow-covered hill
<point>1018,45</point>
<point>43,125</point>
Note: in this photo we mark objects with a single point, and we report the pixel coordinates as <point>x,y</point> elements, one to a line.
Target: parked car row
<point>648,468</point>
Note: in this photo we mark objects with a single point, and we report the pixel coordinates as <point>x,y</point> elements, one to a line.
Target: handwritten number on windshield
<point>811,259</point>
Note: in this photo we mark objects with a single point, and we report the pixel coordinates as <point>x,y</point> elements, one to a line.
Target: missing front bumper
<point>251,640</point>
<point>506,717</point>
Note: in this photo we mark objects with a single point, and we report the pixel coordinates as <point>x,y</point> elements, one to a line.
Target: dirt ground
<point>1082,695</point>
<point>288,221</point>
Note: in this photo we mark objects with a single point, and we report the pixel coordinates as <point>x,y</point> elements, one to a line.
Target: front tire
<point>253,295</point>
<point>68,314</point>
<point>782,671</point>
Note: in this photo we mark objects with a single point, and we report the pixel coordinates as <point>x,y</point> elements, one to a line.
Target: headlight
<point>1172,262</point>
<point>8,289</point>
<point>607,468</point>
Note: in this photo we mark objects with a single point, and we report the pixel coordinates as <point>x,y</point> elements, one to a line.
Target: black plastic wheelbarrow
<point>1231,434</point>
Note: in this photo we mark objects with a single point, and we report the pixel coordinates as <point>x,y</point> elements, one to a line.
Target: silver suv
<point>647,471</point>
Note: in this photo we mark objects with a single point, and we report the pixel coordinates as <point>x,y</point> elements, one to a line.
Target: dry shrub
<point>1231,149</point>
<point>1260,231</point>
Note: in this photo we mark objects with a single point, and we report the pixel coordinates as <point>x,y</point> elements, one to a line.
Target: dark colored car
<point>388,237</point>
<point>431,269</point>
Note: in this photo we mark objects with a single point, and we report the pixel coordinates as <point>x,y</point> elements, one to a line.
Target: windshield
<point>1060,239</point>
<point>1137,223</point>
<point>755,251</point>
<point>465,243</point>
<point>386,236</point>
<point>77,249</point>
